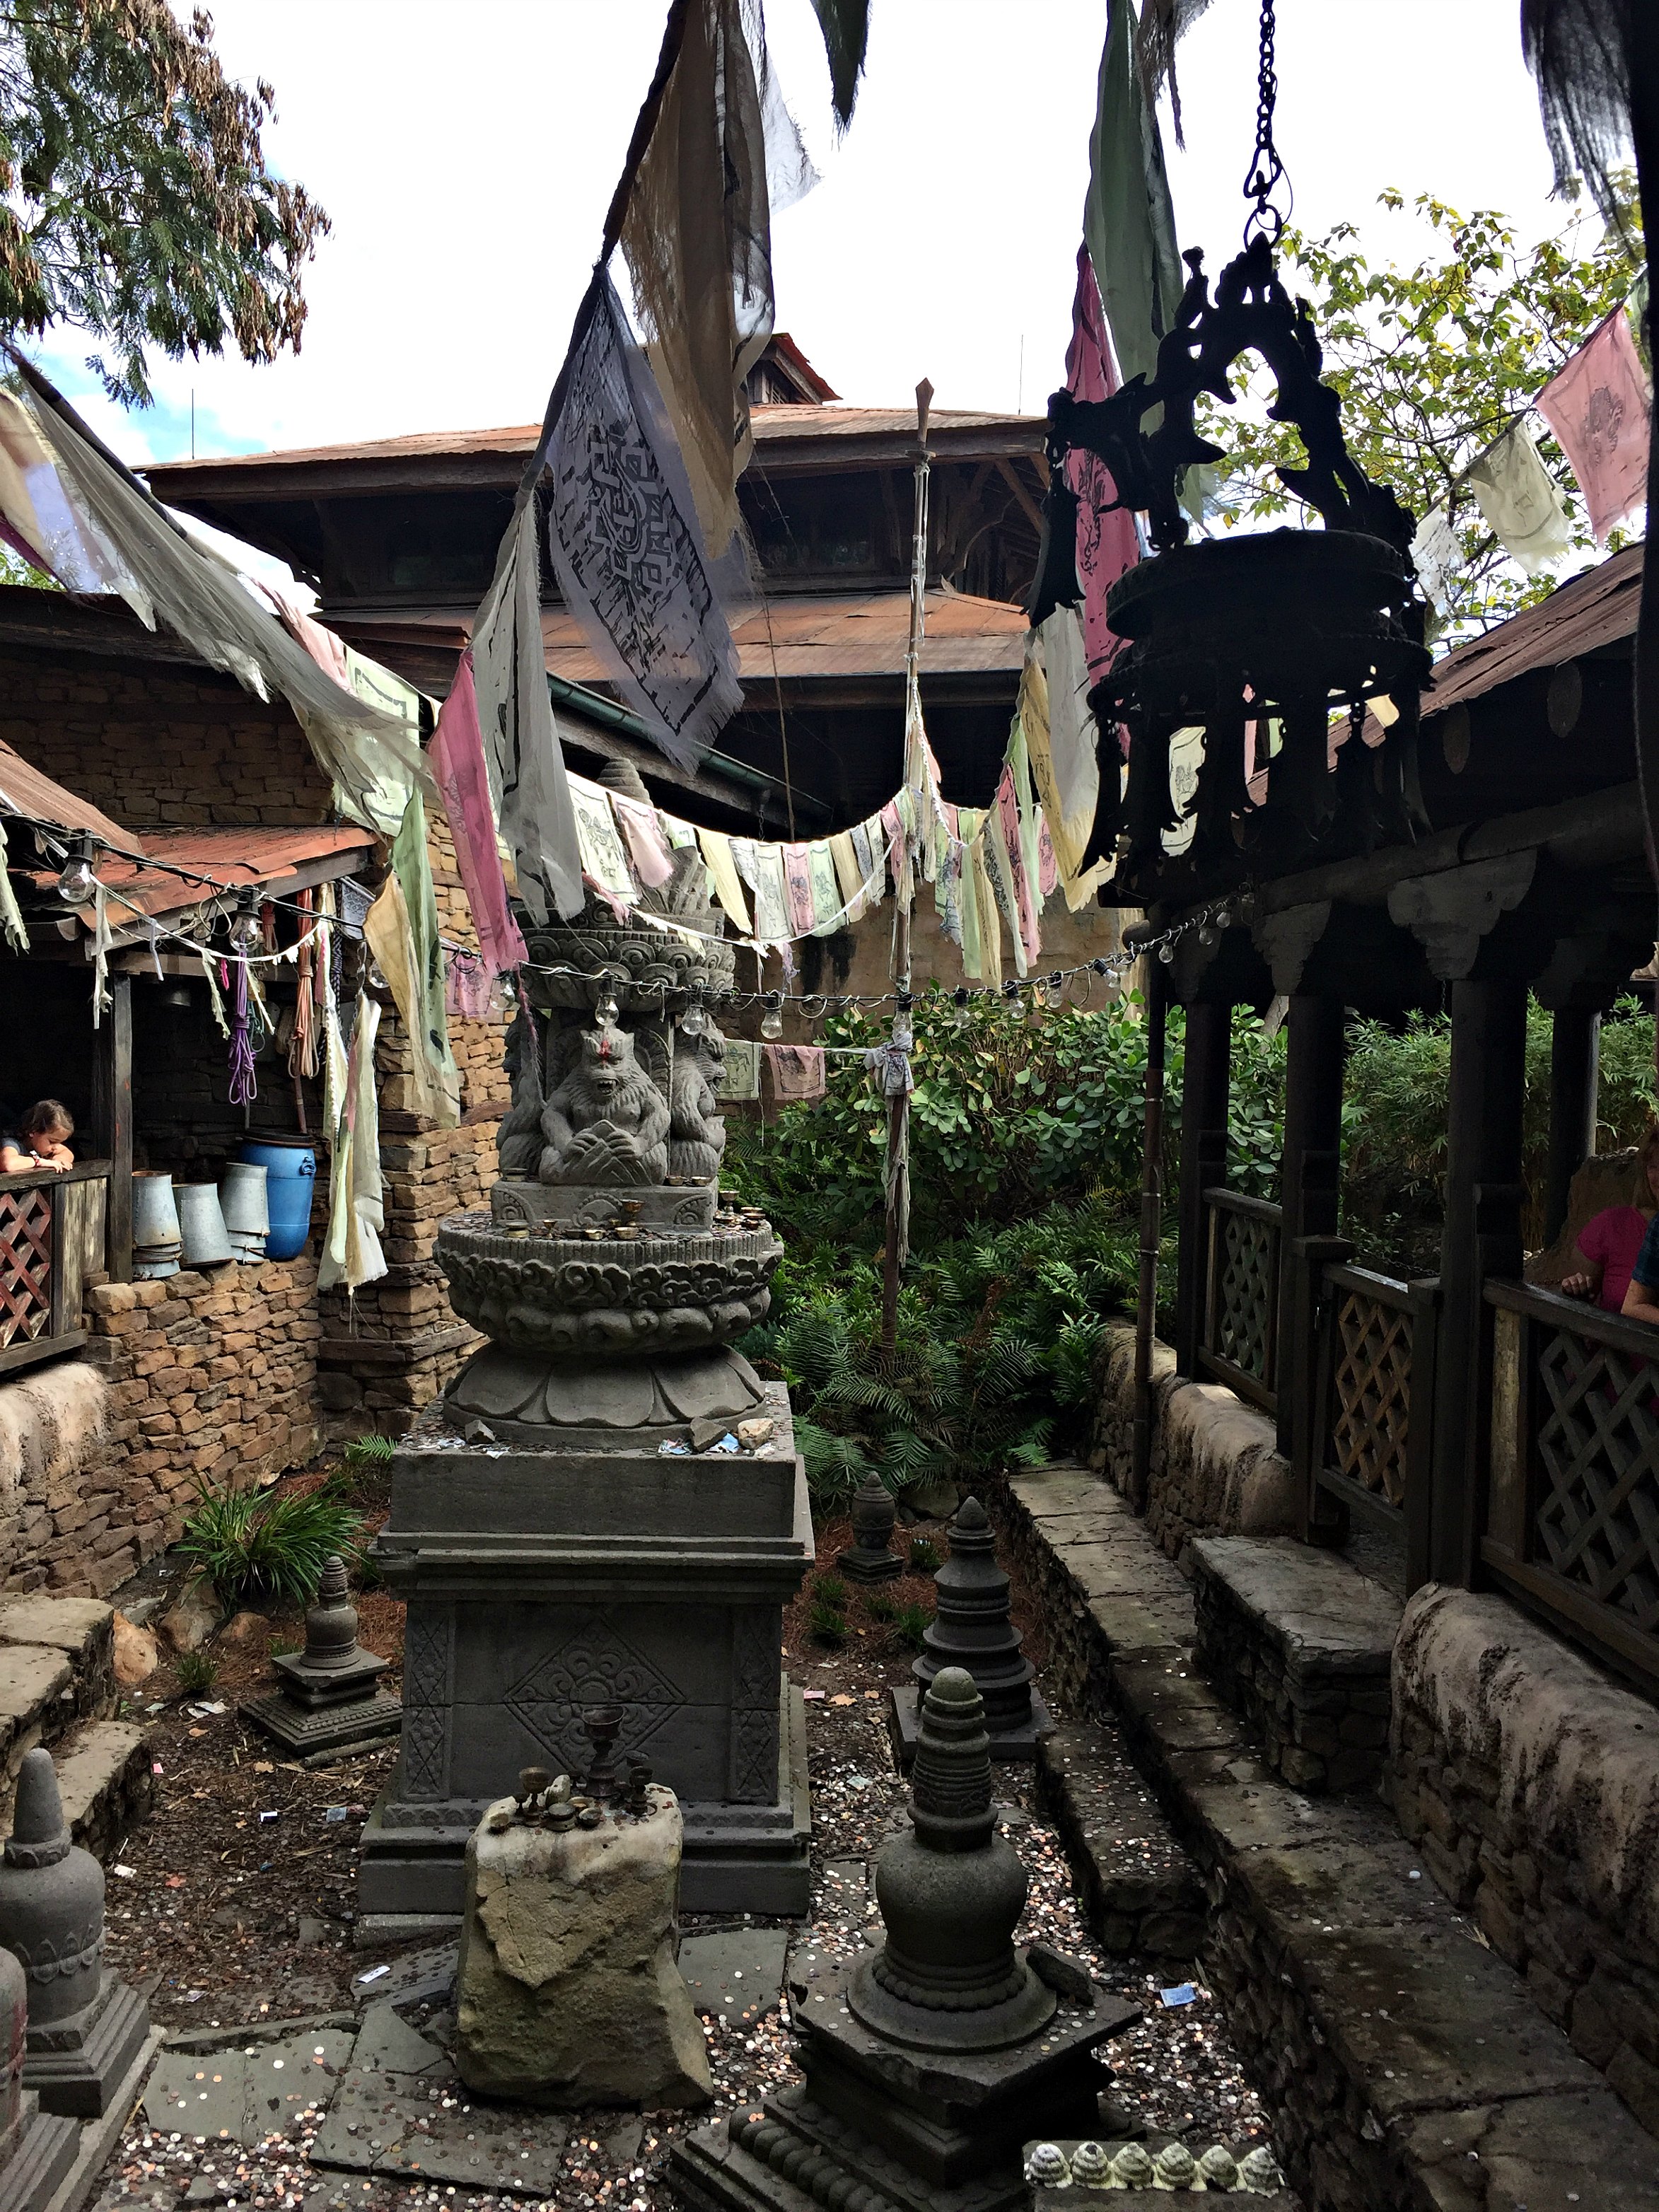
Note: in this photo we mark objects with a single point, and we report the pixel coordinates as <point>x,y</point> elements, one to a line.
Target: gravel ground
<point>234,1906</point>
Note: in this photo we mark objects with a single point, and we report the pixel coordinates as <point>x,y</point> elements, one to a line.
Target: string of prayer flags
<point>738,1076</point>
<point>1518,498</point>
<point>1598,407</point>
<point>716,849</point>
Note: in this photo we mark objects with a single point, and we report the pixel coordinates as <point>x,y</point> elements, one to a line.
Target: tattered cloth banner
<point>1517,497</point>
<point>626,546</point>
<point>1598,408</point>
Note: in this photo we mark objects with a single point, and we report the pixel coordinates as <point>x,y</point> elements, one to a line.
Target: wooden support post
<point>1313,1123</point>
<point>1575,1067</point>
<point>1306,1352</point>
<point>1483,1151</point>
<point>111,1121</point>
<point>1151,1224</point>
<point>1204,1086</point>
<point>1419,1437</point>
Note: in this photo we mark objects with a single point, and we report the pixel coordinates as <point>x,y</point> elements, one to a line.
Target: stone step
<point>1141,1893</point>
<point>1300,1645</point>
<point>1405,2062</point>
<point>106,1783</point>
<point>83,1631</point>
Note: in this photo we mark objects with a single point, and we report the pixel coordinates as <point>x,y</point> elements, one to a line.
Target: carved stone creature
<point>607,1123</point>
<point>519,1139</point>
<point>697,1134</point>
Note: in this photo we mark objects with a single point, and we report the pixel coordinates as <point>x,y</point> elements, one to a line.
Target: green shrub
<point>369,1449</point>
<point>910,1625</point>
<point>197,1672</point>
<point>880,1607</point>
<point>832,1590</point>
<point>827,1624</point>
<point>268,1548</point>
<point>280,1646</point>
<point>924,1555</point>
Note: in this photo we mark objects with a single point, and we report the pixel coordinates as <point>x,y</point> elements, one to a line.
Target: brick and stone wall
<point>1529,1782</point>
<point>202,1378</point>
<point>1216,1468</point>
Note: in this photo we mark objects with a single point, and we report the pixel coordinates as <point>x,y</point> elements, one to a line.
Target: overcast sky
<point>467,154</point>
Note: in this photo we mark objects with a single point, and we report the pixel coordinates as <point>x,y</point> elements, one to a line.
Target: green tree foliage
<point>1434,361</point>
<point>135,201</point>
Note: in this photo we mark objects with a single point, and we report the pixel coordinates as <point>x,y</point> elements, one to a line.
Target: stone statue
<point>696,1132</point>
<point>607,1123</point>
<point>519,1139</point>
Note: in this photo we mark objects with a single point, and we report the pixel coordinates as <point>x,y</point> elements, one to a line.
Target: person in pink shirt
<point>1609,1242</point>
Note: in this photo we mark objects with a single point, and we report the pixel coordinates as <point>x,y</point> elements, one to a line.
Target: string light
<point>963,1003</point>
<point>694,1021</point>
<point>245,934</point>
<point>1053,992</point>
<point>771,1024</point>
<point>78,885</point>
<point>607,1012</point>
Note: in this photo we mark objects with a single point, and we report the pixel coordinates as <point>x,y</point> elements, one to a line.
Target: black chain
<point>1267,170</point>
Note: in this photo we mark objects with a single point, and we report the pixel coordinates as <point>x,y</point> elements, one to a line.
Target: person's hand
<point>1576,1287</point>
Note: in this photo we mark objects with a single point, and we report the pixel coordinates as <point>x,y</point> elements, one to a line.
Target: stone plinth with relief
<point>560,1540</point>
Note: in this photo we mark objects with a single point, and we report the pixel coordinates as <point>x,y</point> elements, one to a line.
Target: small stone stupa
<point>931,2062</point>
<point>329,1706</point>
<point>85,2027</point>
<point>37,2150</point>
<point>972,1628</point>
<point>870,1558</point>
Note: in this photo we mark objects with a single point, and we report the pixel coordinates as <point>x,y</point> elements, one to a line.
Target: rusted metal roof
<point>224,858</point>
<point>25,791</point>
<point>1595,610</point>
<point>784,436</point>
<point>838,633</point>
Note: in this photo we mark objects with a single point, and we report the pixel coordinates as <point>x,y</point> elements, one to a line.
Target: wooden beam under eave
<point>1028,505</point>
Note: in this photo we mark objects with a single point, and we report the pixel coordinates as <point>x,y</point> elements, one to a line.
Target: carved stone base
<point>522,1397</point>
<point>74,2065</point>
<point>681,1206</point>
<point>1008,1743</point>
<point>859,1566</point>
<point>38,2159</point>
<point>541,1582</point>
<point>323,1732</point>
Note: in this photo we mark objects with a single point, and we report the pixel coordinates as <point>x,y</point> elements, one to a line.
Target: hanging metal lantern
<point>1272,630</point>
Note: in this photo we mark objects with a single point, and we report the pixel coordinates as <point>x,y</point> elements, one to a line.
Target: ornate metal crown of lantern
<point>1275,629</point>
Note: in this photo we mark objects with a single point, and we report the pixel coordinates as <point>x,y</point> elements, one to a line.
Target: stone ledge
<point>1391,2040</point>
<point>1141,1894</point>
<point>1300,1644</point>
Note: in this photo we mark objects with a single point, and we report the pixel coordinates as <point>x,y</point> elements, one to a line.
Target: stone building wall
<point>1216,1468</point>
<point>1529,1782</point>
<point>197,1378</point>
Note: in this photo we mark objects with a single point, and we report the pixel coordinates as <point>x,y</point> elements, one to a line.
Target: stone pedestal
<point>36,2151</point>
<point>870,1558</point>
<point>973,1628</point>
<point>607,1572</point>
<point>567,1992</point>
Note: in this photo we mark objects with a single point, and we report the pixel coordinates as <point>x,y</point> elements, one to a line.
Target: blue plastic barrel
<point>290,1166</point>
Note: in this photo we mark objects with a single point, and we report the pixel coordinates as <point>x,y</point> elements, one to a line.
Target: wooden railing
<point>1572,1519</point>
<point>1373,1412</point>
<point>52,1236</point>
<point>1239,1344</point>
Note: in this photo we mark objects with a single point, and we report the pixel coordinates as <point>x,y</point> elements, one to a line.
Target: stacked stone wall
<point>209,1378</point>
<point>1529,1782</point>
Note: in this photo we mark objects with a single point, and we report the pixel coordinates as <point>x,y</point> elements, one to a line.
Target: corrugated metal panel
<point>25,791</point>
<point>231,857</point>
<point>1594,609</point>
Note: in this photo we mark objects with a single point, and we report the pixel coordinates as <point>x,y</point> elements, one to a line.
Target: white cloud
<point>467,156</point>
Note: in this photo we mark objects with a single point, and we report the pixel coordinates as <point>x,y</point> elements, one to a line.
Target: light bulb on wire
<point>1166,952</point>
<point>606,1013</point>
<point>694,1021</point>
<point>771,1021</point>
<point>245,935</point>
<point>78,885</point>
<point>1053,992</point>
<point>961,1001</point>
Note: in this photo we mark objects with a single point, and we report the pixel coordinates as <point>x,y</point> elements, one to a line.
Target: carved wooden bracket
<point>1449,913</point>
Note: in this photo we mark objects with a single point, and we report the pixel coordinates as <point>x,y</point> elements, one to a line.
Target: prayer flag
<point>1518,497</point>
<point>722,866</point>
<point>625,544</point>
<point>797,885</point>
<point>1436,554</point>
<point>1128,219</point>
<point>1598,408</point>
<point>848,874</point>
<point>827,900</point>
<point>528,777</point>
<point>457,764</point>
<point>604,863</point>
<point>771,895</point>
<point>1106,541</point>
<point>644,839</point>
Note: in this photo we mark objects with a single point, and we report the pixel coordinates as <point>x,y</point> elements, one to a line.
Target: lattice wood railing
<point>1572,1506</point>
<point>1240,1345</point>
<point>52,1233</point>
<point>1374,1393</point>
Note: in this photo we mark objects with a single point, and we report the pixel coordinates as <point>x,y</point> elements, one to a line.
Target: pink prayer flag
<point>1048,865</point>
<point>1598,408</point>
<point>646,844</point>
<point>1106,544</point>
<point>798,885</point>
<point>325,648</point>
<point>1007,806</point>
<point>458,766</point>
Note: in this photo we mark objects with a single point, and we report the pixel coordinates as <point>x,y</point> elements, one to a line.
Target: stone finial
<point>1258,2171</point>
<point>40,1834</point>
<point>951,1891</point>
<point>972,1627</point>
<point>871,1557</point>
<point>331,1621</point>
<point>950,1781</point>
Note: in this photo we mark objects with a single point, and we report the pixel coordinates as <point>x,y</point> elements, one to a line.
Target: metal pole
<point>1151,1228</point>
<point>898,1107</point>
